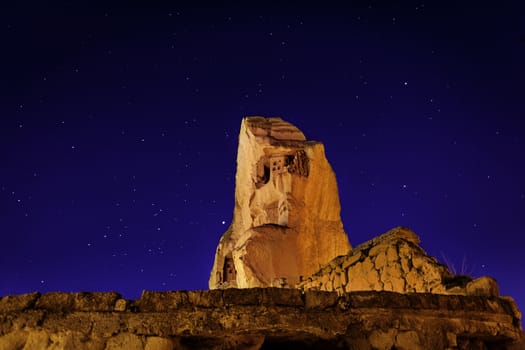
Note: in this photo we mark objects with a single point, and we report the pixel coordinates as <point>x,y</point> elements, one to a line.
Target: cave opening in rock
<point>298,343</point>
<point>263,175</point>
<point>229,273</point>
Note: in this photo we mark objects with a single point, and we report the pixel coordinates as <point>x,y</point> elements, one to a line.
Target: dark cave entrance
<point>229,272</point>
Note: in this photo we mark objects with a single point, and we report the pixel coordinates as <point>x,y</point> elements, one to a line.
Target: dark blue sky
<point>119,126</point>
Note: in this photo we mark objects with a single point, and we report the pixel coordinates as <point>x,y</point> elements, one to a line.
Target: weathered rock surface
<point>286,221</point>
<point>394,262</point>
<point>260,318</point>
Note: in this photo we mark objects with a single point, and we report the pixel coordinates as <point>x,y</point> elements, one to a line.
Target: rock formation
<point>286,221</point>
<point>384,294</point>
<point>394,262</point>
<point>258,318</point>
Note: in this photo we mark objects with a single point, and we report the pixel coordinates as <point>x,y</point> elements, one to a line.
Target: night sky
<point>119,128</point>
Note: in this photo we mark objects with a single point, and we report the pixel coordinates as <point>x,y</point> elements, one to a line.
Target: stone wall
<point>394,262</point>
<point>260,318</point>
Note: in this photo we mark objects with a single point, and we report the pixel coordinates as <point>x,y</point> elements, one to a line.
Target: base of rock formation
<point>259,318</point>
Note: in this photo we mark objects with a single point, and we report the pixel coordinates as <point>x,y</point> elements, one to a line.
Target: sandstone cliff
<point>286,221</point>
<point>260,318</point>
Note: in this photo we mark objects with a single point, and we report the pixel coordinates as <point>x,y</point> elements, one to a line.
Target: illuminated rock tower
<point>286,221</point>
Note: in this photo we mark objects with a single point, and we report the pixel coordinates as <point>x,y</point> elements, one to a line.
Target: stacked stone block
<point>393,262</point>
